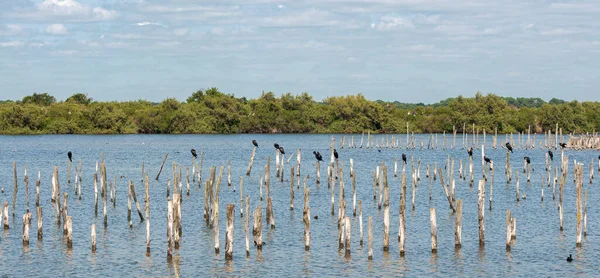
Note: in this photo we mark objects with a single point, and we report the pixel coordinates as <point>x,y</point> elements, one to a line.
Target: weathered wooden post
<point>481,211</point>
<point>6,223</point>
<point>246,225</point>
<point>229,173</point>
<point>306,220</point>
<point>360,222</point>
<point>26,221</point>
<point>348,232</point>
<point>432,221</point>
<point>370,239</point>
<point>257,227</point>
<point>93,235</point>
<point>458,225</point>
<point>508,229</point>
<point>578,201</point>
<point>39,223</point>
<point>161,166</point>
<point>318,173</point>
<point>292,188</point>
<point>251,161</point>
<point>229,232</point>
<point>169,229</point>
<point>386,219</point>
<point>517,186</point>
<point>270,216</point>
<point>69,232</point>
<point>137,205</point>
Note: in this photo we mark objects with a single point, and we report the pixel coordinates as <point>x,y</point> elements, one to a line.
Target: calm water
<point>540,248</point>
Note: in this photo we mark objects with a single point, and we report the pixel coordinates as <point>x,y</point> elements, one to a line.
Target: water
<point>540,248</point>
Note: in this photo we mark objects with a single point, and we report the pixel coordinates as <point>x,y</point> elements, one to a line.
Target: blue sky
<point>404,50</point>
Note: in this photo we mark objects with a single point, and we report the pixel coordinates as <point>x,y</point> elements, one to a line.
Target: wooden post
<point>318,173</point>
<point>251,161</point>
<point>246,223</point>
<point>458,225</point>
<point>37,191</point>
<point>348,232</point>
<point>508,229</point>
<point>229,232</point>
<point>129,205</point>
<point>161,167</point>
<point>514,228</point>
<point>298,159</point>
<point>578,201</point>
<point>228,172</point>
<point>95,193</point>
<point>147,210</point>
<point>39,223</point>
<point>433,223</point>
<point>360,222</point>
<point>386,219</point>
<point>270,215</point>
<point>169,229</point>
<point>306,219</point>
<point>402,215</point>
<point>481,210</point>
<point>517,186</point>
<point>69,232</point>
<point>137,205</point>
<point>26,221</point>
<point>446,190</point>
<point>177,219</point>
<point>6,223</point>
<point>16,188</point>
<point>257,227</point>
<point>93,235</point>
<point>292,188</point>
<point>370,235</point>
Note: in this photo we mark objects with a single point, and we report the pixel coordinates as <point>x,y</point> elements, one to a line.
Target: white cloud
<point>392,22</point>
<point>56,29</point>
<point>102,14</point>
<point>423,19</point>
<point>72,9</point>
<point>11,44</point>
<point>312,17</point>
<point>148,23</point>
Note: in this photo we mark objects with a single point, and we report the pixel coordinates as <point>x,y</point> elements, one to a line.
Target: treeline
<point>211,111</point>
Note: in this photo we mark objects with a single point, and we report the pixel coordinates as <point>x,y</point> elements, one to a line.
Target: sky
<point>394,50</point>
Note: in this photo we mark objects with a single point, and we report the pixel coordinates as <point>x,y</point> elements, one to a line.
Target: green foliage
<point>211,111</point>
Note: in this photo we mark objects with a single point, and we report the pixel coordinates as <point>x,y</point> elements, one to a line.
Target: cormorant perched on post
<point>563,145</point>
<point>404,158</point>
<point>551,155</point>
<point>509,147</point>
<point>318,156</point>
<point>255,144</point>
<point>470,151</point>
<point>527,159</point>
<point>487,159</point>
<point>70,155</point>
<point>335,154</point>
<point>281,150</point>
<point>194,153</point>
<point>276,146</point>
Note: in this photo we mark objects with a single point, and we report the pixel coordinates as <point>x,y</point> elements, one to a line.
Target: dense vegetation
<point>211,111</point>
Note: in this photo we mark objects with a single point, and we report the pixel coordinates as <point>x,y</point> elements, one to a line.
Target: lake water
<point>540,248</point>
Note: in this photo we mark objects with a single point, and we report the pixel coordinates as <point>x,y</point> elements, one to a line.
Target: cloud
<point>11,44</point>
<point>102,14</point>
<point>307,18</point>
<point>561,31</point>
<point>71,9</point>
<point>56,29</point>
<point>181,32</point>
<point>392,22</point>
<point>148,23</point>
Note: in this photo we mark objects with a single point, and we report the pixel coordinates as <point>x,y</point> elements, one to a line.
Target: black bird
<point>194,153</point>
<point>551,155</point>
<point>570,258</point>
<point>470,151</point>
<point>281,150</point>
<point>563,145</point>
<point>276,146</point>
<point>487,159</point>
<point>404,158</point>
<point>70,155</point>
<point>255,144</point>
<point>527,159</point>
<point>335,154</point>
<point>599,157</point>
<point>318,156</point>
<point>509,147</point>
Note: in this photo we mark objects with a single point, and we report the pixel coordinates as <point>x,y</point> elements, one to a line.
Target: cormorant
<point>70,155</point>
<point>551,155</point>
<point>527,159</point>
<point>318,156</point>
<point>487,159</point>
<point>563,145</point>
<point>509,147</point>
<point>255,144</point>
<point>470,151</point>
<point>404,158</point>
<point>194,153</point>
<point>281,150</point>
<point>276,146</point>
<point>335,154</point>
<point>570,258</point>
